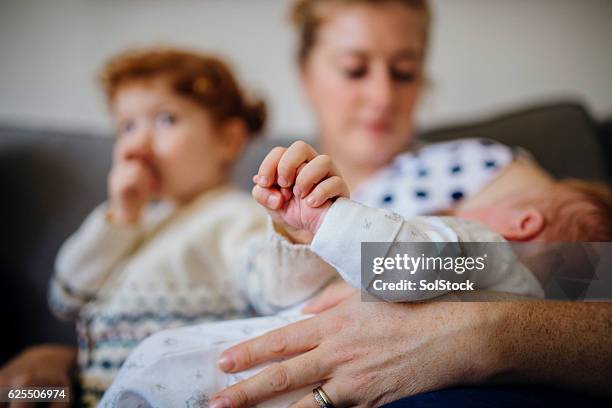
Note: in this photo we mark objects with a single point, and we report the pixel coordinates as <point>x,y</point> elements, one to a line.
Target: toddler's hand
<point>297,186</point>
<point>131,183</point>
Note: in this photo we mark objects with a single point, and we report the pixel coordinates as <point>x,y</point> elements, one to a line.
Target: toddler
<point>170,246</point>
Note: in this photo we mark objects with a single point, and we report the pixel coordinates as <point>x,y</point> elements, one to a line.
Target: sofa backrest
<point>563,137</point>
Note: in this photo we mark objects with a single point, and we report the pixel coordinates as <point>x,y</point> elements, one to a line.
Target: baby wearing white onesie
<point>178,367</point>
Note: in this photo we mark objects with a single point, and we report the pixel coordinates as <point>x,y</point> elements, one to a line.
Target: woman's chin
<point>372,157</point>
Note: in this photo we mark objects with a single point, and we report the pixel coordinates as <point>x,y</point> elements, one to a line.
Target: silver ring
<point>322,399</point>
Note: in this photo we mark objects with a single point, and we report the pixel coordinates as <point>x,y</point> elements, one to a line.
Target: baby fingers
<point>312,173</point>
<point>328,189</point>
<point>270,198</point>
<point>296,155</point>
<point>266,176</point>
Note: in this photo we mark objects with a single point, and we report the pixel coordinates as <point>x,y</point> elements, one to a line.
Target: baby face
<point>544,215</point>
<point>517,217</point>
<point>173,136</point>
<point>495,216</point>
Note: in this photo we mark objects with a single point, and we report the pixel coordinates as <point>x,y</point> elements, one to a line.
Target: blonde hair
<point>307,15</point>
<point>206,80</point>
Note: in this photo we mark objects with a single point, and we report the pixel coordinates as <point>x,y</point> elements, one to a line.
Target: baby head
<point>568,211</point>
<point>182,114</point>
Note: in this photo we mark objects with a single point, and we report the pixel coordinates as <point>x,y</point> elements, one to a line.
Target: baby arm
<point>296,186</point>
<point>347,224</point>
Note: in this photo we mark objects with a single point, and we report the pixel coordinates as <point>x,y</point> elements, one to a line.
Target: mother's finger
<point>331,389</point>
<point>295,338</point>
<point>278,378</point>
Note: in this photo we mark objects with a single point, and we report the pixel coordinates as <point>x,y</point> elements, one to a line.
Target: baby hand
<point>297,186</point>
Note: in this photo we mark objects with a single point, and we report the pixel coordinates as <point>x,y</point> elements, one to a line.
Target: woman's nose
<point>380,89</point>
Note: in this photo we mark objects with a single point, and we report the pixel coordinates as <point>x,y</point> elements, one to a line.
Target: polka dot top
<point>435,177</point>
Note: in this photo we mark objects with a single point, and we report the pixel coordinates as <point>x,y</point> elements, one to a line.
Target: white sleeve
<point>347,224</point>
<point>87,259</point>
<point>277,274</point>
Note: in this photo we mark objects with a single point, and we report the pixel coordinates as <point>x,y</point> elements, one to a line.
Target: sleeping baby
<point>314,217</point>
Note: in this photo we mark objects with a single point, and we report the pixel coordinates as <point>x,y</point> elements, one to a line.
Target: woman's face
<point>363,78</point>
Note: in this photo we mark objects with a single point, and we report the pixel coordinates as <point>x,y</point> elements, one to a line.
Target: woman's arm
<point>560,344</point>
<point>368,354</point>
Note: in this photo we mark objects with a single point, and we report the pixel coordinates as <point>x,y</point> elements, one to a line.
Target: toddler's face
<point>172,135</point>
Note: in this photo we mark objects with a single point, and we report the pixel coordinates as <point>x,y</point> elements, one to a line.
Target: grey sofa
<point>51,180</point>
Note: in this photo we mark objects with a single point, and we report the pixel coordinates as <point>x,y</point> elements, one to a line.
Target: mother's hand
<point>365,353</point>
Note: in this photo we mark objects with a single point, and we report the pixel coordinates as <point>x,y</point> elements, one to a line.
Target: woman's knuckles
<point>337,323</point>
<point>343,356</point>
<point>233,398</point>
<point>277,343</point>
<point>244,357</point>
<point>278,377</point>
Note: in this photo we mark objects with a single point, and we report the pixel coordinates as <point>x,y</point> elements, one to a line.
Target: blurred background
<point>488,55</point>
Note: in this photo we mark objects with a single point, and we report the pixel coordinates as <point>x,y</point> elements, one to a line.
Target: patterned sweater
<point>209,260</point>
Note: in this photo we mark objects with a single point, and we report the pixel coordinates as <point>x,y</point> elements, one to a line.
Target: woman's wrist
<point>523,341</point>
<point>485,353</point>
<point>499,333</point>
<point>460,338</point>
